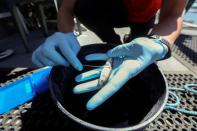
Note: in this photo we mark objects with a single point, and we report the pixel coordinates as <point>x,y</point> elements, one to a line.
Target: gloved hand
<point>58,49</point>
<point>129,60</point>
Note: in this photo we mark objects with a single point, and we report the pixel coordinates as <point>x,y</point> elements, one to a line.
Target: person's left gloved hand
<point>128,60</point>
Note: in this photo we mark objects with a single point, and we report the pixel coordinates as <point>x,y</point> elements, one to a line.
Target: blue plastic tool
<point>24,89</point>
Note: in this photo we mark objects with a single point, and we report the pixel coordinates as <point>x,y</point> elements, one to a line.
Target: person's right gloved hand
<point>58,49</point>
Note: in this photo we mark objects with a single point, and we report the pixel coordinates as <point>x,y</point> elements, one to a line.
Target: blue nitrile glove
<point>129,60</point>
<point>58,49</point>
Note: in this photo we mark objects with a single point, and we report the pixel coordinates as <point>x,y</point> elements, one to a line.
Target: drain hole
<point>178,121</point>
<point>194,119</point>
<point>195,102</point>
<point>183,95</point>
<point>160,122</point>
<point>189,102</point>
<point>11,129</point>
<point>189,95</point>
<point>180,75</point>
<point>169,122</point>
<point>174,79</point>
<point>174,130</point>
<point>185,75</point>
<point>182,103</point>
<point>194,125</point>
<point>170,75</point>
<point>195,109</point>
<point>186,120</point>
<point>192,129</point>
<point>184,129</point>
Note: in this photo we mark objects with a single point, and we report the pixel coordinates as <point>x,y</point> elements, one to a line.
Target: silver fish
<point>105,73</point>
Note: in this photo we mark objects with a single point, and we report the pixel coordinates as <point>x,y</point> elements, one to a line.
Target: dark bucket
<point>133,107</point>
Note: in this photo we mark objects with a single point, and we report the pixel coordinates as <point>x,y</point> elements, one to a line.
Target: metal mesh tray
<point>185,50</point>
<point>41,113</point>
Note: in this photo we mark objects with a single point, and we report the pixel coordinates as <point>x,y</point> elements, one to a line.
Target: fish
<point>105,72</point>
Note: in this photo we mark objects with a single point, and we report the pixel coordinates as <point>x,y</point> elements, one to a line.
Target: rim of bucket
<point>98,127</point>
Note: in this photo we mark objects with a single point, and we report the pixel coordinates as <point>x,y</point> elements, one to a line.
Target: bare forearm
<point>66,16</point>
<point>65,22</point>
<point>169,29</point>
<point>170,20</point>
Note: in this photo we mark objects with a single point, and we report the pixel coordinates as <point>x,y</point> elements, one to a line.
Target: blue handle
<point>39,80</point>
<point>23,90</point>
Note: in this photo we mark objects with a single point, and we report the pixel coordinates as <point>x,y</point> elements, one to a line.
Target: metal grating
<point>185,50</point>
<point>176,121</point>
<point>41,112</point>
<point>36,115</point>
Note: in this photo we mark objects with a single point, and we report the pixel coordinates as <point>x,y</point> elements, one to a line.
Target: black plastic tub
<point>133,107</point>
